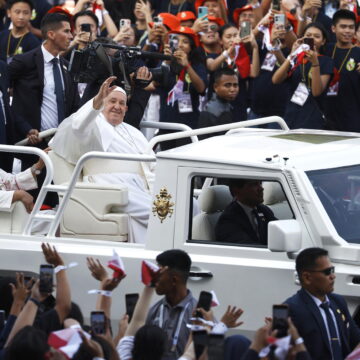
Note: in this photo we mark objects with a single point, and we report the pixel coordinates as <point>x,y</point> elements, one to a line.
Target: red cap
<point>169,20</point>
<point>62,10</point>
<point>238,11</point>
<point>186,15</point>
<point>201,2</point>
<point>183,30</point>
<point>217,20</point>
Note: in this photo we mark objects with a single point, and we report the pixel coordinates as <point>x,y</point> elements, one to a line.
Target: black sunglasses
<point>328,271</point>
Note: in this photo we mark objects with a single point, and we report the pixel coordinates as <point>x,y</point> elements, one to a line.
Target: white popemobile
<point>311,181</point>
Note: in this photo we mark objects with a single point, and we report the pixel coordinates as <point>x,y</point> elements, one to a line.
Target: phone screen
<point>130,302</point>
<point>215,347</point>
<point>280,319</point>
<point>97,319</point>
<point>276,5</point>
<point>204,302</point>
<point>46,278</point>
<point>2,319</point>
<point>85,27</point>
<point>173,42</point>
<point>200,339</point>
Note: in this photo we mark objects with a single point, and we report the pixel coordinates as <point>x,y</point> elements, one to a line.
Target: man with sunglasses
<point>321,317</point>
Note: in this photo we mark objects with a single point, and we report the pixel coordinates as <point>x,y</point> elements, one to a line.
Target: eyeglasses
<point>328,271</point>
<point>213,28</point>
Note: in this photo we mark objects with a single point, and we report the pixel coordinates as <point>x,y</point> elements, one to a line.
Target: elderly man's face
<point>115,107</point>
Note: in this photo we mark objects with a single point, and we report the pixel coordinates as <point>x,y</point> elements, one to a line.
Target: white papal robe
<point>88,130</point>
<point>9,183</point>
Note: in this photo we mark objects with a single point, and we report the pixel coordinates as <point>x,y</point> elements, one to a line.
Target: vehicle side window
<point>235,211</point>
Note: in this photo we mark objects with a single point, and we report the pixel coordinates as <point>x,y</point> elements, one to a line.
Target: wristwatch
<point>35,170</point>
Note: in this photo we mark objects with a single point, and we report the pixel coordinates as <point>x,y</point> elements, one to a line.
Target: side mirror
<point>284,236</point>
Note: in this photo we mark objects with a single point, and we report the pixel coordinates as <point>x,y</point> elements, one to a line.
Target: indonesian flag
<point>176,92</point>
<point>266,30</point>
<point>67,341</point>
<point>214,302</point>
<point>242,61</point>
<point>297,57</point>
<point>148,270</point>
<point>117,265</point>
<point>97,10</point>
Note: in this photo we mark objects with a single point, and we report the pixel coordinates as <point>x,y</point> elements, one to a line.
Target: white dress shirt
<point>49,113</point>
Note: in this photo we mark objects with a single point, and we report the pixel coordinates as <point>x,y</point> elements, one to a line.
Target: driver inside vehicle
<point>245,219</point>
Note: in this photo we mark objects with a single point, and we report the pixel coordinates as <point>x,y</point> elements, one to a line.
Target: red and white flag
<point>66,341</point>
<point>214,301</point>
<point>117,265</point>
<point>296,58</point>
<point>148,270</point>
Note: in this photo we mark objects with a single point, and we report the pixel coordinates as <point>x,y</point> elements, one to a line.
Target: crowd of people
<point>316,323</point>
<point>204,63</point>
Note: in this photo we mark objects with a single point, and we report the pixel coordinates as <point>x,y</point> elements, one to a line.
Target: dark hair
<point>29,343</point>
<point>83,353</point>
<point>196,56</point>
<point>224,71</point>
<point>320,27</point>
<point>149,343</point>
<point>53,22</point>
<point>177,260</point>
<point>10,3</point>
<point>224,28</point>
<point>238,183</point>
<point>306,260</point>
<point>86,13</point>
<point>76,314</point>
<point>343,14</point>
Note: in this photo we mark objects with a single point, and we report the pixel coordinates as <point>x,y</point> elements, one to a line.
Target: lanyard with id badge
<point>269,62</point>
<point>333,89</point>
<point>301,93</point>
<point>177,93</point>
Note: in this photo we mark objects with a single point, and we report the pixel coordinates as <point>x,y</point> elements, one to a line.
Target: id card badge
<point>300,95</point>
<point>333,89</point>
<point>185,104</point>
<point>269,62</point>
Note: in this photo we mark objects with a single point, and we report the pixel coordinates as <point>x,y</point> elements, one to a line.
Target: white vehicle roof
<point>261,148</point>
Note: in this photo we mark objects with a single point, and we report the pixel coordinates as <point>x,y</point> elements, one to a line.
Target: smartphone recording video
<point>130,302</point>
<point>215,346</point>
<point>245,29</point>
<point>200,338</point>
<point>276,5</point>
<point>158,21</point>
<point>125,23</point>
<point>280,319</point>
<point>203,11</point>
<point>46,279</point>
<point>98,321</point>
<point>85,27</point>
<point>173,42</point>
<point>204,302</point>
<point>310,42</point>
<point>279,20</point>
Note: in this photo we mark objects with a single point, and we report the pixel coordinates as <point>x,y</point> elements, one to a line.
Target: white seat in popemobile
<point>14,219</point>
<point>94,210</point>
<point>275,199</point>
<point>213,200</point>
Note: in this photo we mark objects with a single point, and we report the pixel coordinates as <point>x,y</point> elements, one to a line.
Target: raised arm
<point>63,293</point>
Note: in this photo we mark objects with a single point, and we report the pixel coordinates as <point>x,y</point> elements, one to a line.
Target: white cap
<point>118,88</point>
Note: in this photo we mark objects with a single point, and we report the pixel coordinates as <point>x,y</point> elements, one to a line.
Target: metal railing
<point>218,128</point>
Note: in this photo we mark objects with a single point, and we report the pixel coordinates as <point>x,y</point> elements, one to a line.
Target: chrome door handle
<point>201,274</point>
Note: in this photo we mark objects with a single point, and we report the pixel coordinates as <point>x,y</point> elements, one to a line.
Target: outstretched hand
<point>97,269</point>
<point>104,91</point>
<point>231,316</point>
<point>51,255</point>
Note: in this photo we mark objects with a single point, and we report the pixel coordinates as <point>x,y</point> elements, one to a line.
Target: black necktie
<point>258,224</point>
<point>334,340</point>
<point>59,91</point>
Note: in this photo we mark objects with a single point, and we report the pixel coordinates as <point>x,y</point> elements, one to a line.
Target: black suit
<point>307,318</point>
<point>234,225</point>
<point>26,73</point>
<point>6,129</point>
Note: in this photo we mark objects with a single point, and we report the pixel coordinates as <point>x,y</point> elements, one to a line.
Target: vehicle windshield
<point>339,191</point>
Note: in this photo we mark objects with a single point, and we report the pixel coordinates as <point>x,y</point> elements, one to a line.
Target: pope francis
<point>98,126</point>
